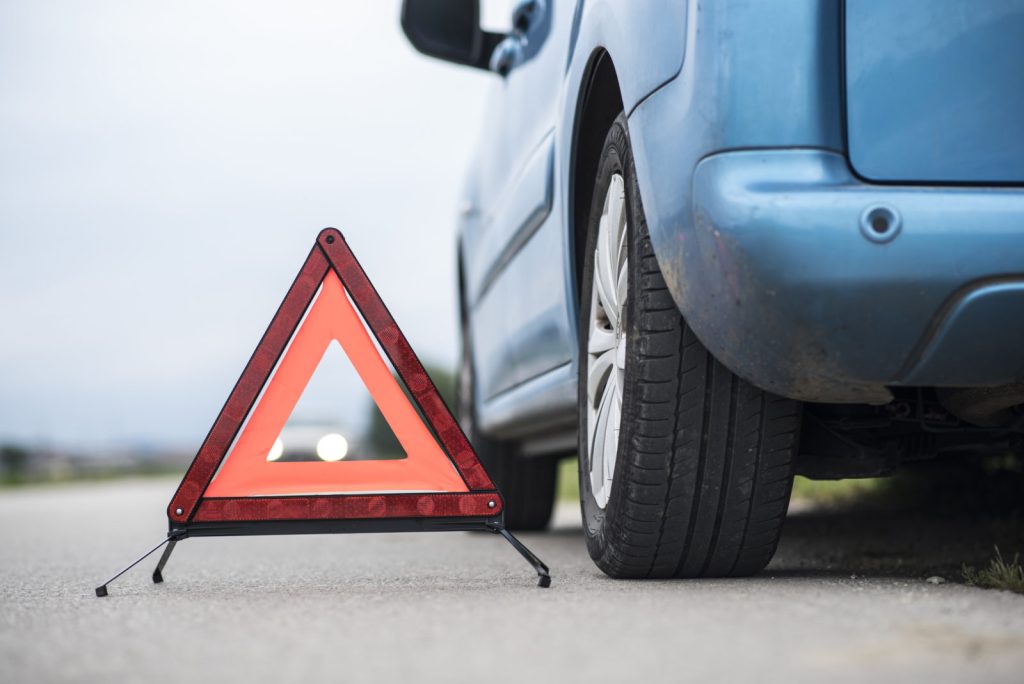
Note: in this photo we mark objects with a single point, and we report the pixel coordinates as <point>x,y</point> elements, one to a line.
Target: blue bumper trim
<point>978,341</point>
<point>790,290</point>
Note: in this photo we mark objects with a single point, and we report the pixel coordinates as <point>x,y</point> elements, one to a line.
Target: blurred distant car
<point>319,441</point>
<point>707,244</point>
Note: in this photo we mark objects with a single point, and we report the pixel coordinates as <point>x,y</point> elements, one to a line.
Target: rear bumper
<point>796,290</point>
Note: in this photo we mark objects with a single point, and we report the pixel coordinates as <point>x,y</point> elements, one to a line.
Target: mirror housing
<point>449,30</point>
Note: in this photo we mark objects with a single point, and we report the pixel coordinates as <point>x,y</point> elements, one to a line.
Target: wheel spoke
<point>597,376</point>
<point>622,283</point>
<point>620,357</point>
<point>611,439</point>
<point>615,209</point>
<point>610,237</point>
<point>601,339</point>
<point>605,285</point>
<point>600,427</point>
<point>609,249</point>
<point>619,374</point>
<point>598,447</point>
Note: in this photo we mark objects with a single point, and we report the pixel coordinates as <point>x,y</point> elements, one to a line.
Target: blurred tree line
<point>14,461</point>
<point>381,439</point>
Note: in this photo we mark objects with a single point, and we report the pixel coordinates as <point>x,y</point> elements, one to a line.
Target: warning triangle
<point>239,485</point>
<point>333,302</point>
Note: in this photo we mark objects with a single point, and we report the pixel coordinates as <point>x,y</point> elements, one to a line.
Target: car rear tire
<point>526,483</point>
<point>698,479</point>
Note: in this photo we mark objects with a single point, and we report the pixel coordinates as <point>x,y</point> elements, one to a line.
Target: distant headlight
<point>276,451</point>
<point>332,447</point>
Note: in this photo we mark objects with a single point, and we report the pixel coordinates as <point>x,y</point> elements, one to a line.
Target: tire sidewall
<point>600,526</point>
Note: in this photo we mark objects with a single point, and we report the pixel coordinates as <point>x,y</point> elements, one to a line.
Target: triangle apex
<point>329,235</point>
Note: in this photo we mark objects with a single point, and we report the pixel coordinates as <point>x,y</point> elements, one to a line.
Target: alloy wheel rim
<point>606,341</point>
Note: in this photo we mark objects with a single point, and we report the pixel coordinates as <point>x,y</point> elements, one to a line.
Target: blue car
<point>708,245</point>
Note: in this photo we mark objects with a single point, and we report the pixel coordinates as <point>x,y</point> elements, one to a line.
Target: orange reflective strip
<point>246,471</point>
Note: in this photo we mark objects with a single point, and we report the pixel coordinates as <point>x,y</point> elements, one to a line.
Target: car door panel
<point>525,308</point>
<point>519,213</point>
<point>513,274</point>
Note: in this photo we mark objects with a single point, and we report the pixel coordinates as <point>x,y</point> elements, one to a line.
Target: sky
<point>164,170</point>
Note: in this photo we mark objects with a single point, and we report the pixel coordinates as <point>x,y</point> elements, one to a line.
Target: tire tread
<point>706,461</point>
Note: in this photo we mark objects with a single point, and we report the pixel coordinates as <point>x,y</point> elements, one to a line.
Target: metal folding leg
<point>543,578</point>
<point>101,590</point>
<point>158,576</point>
<point>172,539</point>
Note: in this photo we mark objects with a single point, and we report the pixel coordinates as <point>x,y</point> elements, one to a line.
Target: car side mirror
<point>449,30</point>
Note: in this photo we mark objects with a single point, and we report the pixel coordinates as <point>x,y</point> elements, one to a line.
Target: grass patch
<point>997,575</point>
<point>828,492</point>
<point>834,492</point>
<point>568,483</point>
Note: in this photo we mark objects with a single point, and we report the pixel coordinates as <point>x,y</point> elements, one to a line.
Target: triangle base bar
<point>248,528</point>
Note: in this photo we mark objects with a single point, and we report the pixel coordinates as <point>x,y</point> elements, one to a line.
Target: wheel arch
<point>598,103</point>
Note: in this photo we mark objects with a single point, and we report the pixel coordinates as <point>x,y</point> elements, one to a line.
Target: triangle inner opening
<point>335,419</point>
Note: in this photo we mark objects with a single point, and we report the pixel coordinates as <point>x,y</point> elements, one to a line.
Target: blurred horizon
<point>165,170</point>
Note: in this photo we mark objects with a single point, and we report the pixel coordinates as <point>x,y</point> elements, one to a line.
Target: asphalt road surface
<point>844,600</point>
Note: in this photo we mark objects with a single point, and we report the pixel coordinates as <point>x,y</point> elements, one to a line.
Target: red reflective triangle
<point>231,479</point>
<point>246,471</point>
